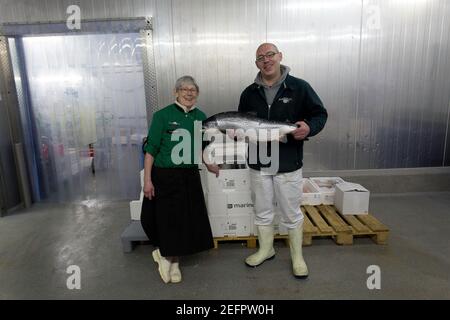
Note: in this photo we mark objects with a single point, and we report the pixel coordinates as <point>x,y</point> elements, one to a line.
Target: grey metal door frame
<point>10,188</point>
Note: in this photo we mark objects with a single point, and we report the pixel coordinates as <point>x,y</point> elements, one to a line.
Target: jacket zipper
<point>278,95</point>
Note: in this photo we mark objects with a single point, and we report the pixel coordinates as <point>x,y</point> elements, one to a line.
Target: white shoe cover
<point>163,265</point>
<point>175,273</point>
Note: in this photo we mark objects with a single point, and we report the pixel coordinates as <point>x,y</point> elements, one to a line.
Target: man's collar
<point>289,83</point>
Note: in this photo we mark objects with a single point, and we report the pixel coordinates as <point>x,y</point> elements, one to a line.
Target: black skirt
<point>176,219</point>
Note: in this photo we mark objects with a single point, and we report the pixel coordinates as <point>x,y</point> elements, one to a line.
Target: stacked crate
<point>136,205</point>
<point>228,197</point>
<point>326,187</point>
<point>229,203</point>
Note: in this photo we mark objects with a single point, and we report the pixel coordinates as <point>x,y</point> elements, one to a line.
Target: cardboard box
<point>311,193</point>
<point>232,226</point>
<point>351,198</point>
<point>229,180</point>
<point>135,209</point>
<point>327,187</point>
<point>229,203</point>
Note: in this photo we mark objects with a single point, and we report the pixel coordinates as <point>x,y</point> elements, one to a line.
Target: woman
<point>174,214</point>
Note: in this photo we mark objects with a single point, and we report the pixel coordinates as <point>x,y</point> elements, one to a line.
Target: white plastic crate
<point>311,193</point>
<point>327,187</point>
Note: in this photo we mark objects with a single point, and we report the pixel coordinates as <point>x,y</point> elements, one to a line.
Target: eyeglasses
<point>186,90</point>
<point>269,55</point>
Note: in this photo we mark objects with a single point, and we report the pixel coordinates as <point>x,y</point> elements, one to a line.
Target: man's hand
<point>213,168</point>
<point>302,131</point>
<point>149,190</point>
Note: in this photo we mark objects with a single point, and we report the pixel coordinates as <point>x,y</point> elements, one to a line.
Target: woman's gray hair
<point>186,80</point>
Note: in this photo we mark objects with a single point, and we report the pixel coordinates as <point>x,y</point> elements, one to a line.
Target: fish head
<point>210,124</point>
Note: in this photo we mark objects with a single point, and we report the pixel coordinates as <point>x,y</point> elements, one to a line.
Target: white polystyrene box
<point>229,203</point>
<point>352,198</point>
<point>327,187</point>
<point>311,193</point>
<point>216,204</point>
<point>236,226</point>
<point>229,180</point>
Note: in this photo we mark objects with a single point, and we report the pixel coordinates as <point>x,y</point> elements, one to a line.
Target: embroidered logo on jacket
<point>285,100</point>
<point>172,127</point>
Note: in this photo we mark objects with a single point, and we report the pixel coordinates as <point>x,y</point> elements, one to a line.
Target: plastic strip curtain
<point>88,100</point>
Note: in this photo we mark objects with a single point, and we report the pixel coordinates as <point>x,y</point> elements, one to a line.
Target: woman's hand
<point>149,190</point>
<point>213,168</point>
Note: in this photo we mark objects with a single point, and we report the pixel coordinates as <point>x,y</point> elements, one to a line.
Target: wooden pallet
<point>324,221</point>
<point>249,240</point>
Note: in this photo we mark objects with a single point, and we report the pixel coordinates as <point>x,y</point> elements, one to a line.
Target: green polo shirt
<point>163,137</point>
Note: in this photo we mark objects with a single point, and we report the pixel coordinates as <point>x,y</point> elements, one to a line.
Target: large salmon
<point>244,124</point>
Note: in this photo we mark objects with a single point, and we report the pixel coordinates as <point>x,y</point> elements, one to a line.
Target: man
<point>276,95</point>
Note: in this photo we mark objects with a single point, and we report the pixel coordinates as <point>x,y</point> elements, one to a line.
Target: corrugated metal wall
<point>381,66</point>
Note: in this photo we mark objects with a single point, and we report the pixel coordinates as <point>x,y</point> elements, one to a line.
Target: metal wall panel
<point>215,42</point>
<point>55,10</point>
<point>164,51</point>
<point>320,43</point>
<point>380,66</point>
<point>404,88</point>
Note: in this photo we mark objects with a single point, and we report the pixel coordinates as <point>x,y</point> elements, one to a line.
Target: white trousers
<point>283,188</point>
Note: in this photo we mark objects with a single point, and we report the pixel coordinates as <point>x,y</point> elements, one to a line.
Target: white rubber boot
<point>299,267</point>
<point>266,250</point>
<point>175,273</point>
<point>163,265</point>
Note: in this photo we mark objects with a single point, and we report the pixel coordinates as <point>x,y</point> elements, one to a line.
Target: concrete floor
<point>37,245</point>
